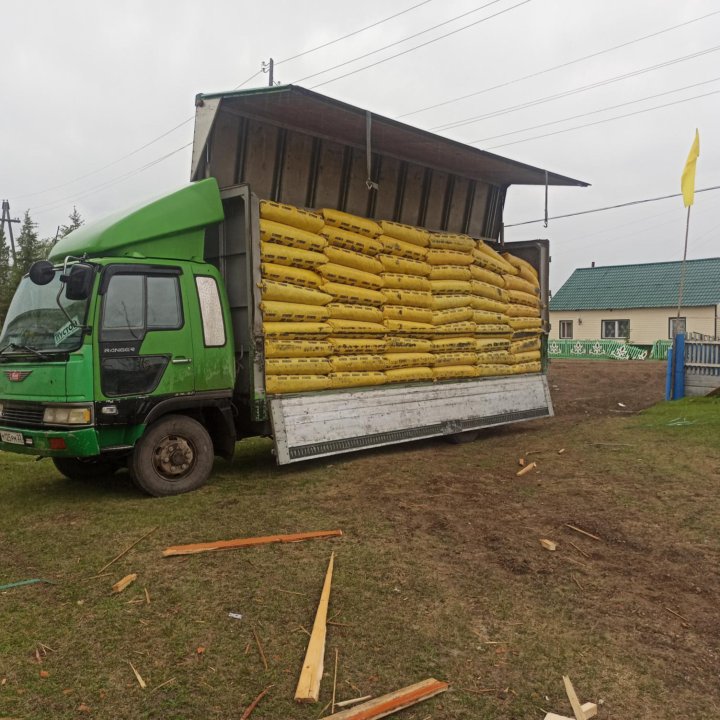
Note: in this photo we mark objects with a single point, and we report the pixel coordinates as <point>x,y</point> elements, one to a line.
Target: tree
<point>76,220</point>
<point>29,248</point>
<point>6,284</point>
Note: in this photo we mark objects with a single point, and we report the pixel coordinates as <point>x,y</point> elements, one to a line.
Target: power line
<point>574,91</point>
<point>429,42</point>
<point>557,67</point>
<point>601,122</point>
<point>608,207</point>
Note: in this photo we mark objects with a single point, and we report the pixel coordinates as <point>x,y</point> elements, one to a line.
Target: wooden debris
<point>561,451</point>
<point>392,702</point>
<point>141,682</point>
<point>577,582</point>
<point>580,550</point>
<point>589,711</point>
<point>521,462</point>
<point>677,614</point>
<point>126,551</point>
<point>247,542</point>
<point>526,469</point>
<point>353,701</point>
<point>548,544</point>
<point>162,684</point>
<point>573,698</point>
<point>249,709</point>
<point>120,585</point>
<point>147,596</point>
<point>583,532</point>
<point>308,687</point>
<point>260,649</point>
<point>332,704</point>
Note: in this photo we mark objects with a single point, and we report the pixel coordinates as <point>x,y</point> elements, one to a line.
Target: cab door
<point>145,341</point>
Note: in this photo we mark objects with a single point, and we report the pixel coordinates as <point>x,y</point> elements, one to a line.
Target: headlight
<point>59,415</point>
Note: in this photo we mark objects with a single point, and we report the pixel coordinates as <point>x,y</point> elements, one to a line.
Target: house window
<point>615,329</point>
<point>676,325</point>
<point>566,329</point>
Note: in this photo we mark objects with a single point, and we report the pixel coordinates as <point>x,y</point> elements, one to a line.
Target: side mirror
<point>41,272</point>
<point>79,282</point>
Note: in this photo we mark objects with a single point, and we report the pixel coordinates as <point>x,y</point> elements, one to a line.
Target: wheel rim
<point>174,457</point>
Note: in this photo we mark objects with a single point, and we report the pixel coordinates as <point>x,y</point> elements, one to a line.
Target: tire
<point>463,437</point>
<point>174,456</point>
<point>85,469</point>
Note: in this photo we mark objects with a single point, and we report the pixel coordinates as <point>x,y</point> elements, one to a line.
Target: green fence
<point>606,350</point>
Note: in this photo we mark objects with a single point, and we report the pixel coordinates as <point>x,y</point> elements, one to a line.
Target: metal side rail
<point>311,425</point>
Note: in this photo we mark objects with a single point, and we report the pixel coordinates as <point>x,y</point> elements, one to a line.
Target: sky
<point>89,86</point>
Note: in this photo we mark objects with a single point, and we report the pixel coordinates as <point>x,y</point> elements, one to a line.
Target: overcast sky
<point>85,83</point>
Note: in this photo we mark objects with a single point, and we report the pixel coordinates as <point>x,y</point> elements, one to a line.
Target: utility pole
<point>7,219</point>
<point>269,68</point>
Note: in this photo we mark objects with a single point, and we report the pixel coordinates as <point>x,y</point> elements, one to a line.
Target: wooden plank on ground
<point>308,687</point>
<point>247,542</point>
<point>589,710</point>
<point>120,585</point>
<point>392,702</point>
<point>573,698</point>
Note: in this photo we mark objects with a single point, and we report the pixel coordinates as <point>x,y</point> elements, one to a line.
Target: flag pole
<point>684,261</point>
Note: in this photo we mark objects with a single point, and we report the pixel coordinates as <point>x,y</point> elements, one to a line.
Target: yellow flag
<point>687,183</point>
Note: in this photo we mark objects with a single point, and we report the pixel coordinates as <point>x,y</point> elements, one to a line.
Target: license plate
<point>11,437</point>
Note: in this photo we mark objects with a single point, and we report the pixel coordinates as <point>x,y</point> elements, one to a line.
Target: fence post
<point>669,375</point>
<point>679,367</point>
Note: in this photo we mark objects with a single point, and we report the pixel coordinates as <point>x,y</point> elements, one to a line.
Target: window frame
<point>564,323</point>
<point>202,315</point>
<point>670,324</point>
<point>617,329</point>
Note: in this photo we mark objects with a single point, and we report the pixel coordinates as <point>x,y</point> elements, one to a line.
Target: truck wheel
<point>91,468</point>
<point>174,456</point>
<point>463,437</point>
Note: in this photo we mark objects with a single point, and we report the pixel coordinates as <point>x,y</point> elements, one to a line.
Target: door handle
<point>181,361</point>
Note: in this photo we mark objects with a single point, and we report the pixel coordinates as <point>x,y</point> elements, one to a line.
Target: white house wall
<point>646,324</point>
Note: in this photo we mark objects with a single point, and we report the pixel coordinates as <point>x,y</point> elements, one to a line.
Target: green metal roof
<point>616,287</point>
<point>167,227</point>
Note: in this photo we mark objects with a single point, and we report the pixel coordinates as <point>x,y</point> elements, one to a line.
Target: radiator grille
<point>22,414</point>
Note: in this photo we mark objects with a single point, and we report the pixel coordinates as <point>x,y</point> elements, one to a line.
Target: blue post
<point>679,367</point>
<point>668,375</point>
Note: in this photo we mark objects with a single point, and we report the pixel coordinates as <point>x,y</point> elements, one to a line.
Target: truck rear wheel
<point>91,468</point>
<point>463,437</point>
<point>174,456</point>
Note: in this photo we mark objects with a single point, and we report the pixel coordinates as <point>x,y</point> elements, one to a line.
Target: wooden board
<point>247,542</point>
<point>392,702</point>
<point>308,687</point>
<point>573,698</point>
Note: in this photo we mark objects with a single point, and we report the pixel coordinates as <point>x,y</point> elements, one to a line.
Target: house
<point>637,303</point>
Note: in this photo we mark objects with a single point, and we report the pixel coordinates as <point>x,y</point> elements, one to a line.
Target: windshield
<point>35,321</point>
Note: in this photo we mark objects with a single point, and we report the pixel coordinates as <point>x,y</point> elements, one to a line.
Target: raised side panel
<point>316,425</point>
<point>261,147</point>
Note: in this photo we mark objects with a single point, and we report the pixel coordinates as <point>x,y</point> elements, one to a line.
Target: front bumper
<point>82,442</point>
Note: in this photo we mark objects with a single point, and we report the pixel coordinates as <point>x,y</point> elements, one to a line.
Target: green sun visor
<point>169,227</point>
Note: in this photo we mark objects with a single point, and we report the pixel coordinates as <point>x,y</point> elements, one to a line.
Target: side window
<point>163,303</point>
<point>211,312</point>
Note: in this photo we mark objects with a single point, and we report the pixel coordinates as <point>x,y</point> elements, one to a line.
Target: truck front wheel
<point>174,456</point>
<point>91,468</point>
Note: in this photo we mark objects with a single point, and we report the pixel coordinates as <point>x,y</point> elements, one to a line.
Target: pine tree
<point>6,285</point>
<point>30,248</point>
<point>76,220</point>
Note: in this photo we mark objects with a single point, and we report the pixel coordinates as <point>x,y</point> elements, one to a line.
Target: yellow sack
<point>524,323</point>
<point>297,330</point>
<point>494,329</point>
<point>393,361</point>
<point>337,237</point>
<point>522,311</point>
<point>409,326</point>
<point>483,345</point>
<point>350,258</point>
<point>285,292</point>
<point>353,223</point>
<point>297,366</point>
<point>455,358</point>
<point>526,357</point>
<point>481,317</point>
<point>519,283</point>
<point>454,344</point>
<point>357,346</point>
<point>404,266</point>
<point>523,267</point>
<point>346,311</point>
<point>483,303</point>
<point>291,215</point>
<point>450,272</point>
<point>450,287</point>
<point>496,257</point>
<point>417,374</point>
<point>398,281</point>
<point>292,257</point>
<point>451,372</point>
<point>355,327</point>
<point>278,384</point>
<point>451,315</point>
<point>408,233</point>
<point>449,257</point>
<point>410,298</point>
<point>519,346</point>
<point>350,276</point>
<point>274,232</point>
<point>489,370</point>
<point>442,302</point>
<point>490,263</point>
<point>339,292</point>
<point>396,343</point>
<point>273,310</point>
<point>294,276</point>
<point>486,276</point>
<point>483,289</point>
<point>495,357</point>
<point>400,248</point>
<point>356,379</point>
<point>523,298</point>
<point>457,328</point>
<point>402,312</point>
<point>530,367</point>
<point>275,348</point>
<point>451,241</point>
<point>357,363</point>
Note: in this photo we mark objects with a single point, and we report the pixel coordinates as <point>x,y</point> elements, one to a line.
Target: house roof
<point>616,287</point>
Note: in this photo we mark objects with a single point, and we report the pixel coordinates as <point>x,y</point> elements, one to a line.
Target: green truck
<point>139,342</point>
